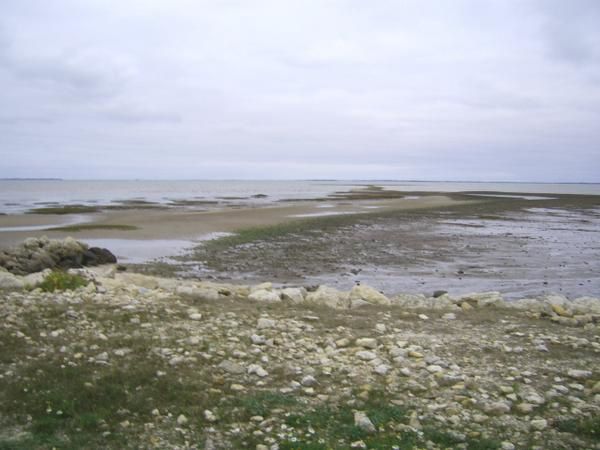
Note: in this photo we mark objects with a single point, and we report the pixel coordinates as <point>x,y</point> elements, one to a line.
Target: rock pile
<point>261,367</point>
<point>37,254</point>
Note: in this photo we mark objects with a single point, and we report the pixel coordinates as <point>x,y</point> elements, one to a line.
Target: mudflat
<point>528,245</point>
<point>186,223</point>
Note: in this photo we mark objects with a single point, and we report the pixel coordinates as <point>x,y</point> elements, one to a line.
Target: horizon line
<point>395,180</point>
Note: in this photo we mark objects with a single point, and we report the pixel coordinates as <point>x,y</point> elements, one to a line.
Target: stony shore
<point>134,361</point>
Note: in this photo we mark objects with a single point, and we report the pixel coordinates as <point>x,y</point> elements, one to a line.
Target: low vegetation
<point>93,227</point>
<point>59,280</point>
<point>65,209</point>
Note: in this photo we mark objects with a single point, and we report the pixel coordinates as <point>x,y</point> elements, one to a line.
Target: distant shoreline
<point>32,179</point>
<point>330,180</point>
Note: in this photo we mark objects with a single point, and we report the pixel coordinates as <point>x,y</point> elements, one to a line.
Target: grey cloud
<point>138,115</point>
<point>450,90</point>
<point>571,29</point>
<point>83,74</point>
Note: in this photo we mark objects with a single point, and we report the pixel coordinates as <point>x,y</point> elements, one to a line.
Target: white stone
<point>267,286</point>
<point>257,370</point>
<point>308,380</point>
<point>293,295</point>
<point>201,293</point>
<point>434,368</point>
<point>264,296</point>
<point>369,343</point>
<point>328,296</point>
<point>258,339</point>
<point>362,421</point>
<point>209,416</point>
<point>182,420</point>
<point>579,374</point>
<point>366,355</point>
<point>231,367</point>
<point>539,424</point>
<point>382,369</point>
<point>380,328</point>
<point>368,294</point>
<point>265,323</point>
<point>497,408</point>
<point>9,281</point>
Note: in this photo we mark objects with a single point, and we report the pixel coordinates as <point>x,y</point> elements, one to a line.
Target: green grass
<point>258,404</point>
<point>59,280</point>
<point>252,234</point>
<point>588,427</point>
<point>65,209</point>
<point>66,413</point>
<point>335,423</point>
<point>91,227</point>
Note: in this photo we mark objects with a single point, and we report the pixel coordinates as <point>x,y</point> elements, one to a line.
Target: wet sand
<point>184,224</point>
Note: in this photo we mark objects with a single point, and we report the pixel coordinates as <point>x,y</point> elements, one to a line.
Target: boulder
<point>262,295</point>
<point>328,296</point>
<point>95,256</point>
<point>586,305</point>
<point>200,293</point>
<point>33,279</point>
<point>8,281</point>
<point>368,294</point>
<point>481,299</point>
<point>293,295</point>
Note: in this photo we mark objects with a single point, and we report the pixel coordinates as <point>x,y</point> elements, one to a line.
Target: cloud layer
<point>462,90</point>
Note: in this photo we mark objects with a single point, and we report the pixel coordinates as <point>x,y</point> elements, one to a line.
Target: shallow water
<point>22,195</point>
<point>138,251</point>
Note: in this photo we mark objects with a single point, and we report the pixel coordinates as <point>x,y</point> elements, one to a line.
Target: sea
<point>17,196</point>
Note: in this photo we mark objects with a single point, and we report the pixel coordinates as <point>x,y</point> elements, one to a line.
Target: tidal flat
<point>350,330</point>
<point>517,243</point>
<point>514,245</point>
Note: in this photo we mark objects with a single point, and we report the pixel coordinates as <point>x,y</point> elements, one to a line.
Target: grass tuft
<point>59,280</point>
<point>589,427</point>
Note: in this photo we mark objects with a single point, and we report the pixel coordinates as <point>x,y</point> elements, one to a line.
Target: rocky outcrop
<point>283,373</point>
<point>37,254</point>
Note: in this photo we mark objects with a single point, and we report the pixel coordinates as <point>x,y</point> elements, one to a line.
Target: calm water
<point>22,195</point>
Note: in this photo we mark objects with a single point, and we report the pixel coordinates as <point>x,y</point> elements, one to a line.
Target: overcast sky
<point>439,90</point>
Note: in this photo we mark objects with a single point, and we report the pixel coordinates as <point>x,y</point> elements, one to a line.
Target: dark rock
<point>37,254</point>
<point>96,255</point>
<point>439,293</point>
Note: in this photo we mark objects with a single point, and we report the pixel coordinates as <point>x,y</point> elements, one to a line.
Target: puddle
<point>137,251</point>
<point>522,197</point>
<point>323,214</point>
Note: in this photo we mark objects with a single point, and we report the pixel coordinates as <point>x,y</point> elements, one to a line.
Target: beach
<point>520,244</point>
<point>361,318</point>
